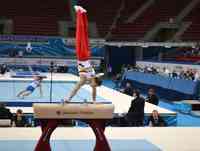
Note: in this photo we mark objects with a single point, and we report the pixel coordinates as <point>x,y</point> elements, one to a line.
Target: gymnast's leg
<point>76,88</point>
<point>24,93</point>
<point>94,89</point>
<point>94,93</point>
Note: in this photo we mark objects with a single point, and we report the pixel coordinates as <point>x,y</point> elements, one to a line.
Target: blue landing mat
<point>79,145</point>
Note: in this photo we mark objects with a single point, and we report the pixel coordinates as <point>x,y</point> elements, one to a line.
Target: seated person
<point>117,80</point>
<point>19,119</point>
<point>128,89</point>
<point>174,74</point>
<point>135,115</point>
<point>3,69</point>
<point>31,87</point>
<point>4,112</point>
<point>152,98</point>
<point>155,120</point>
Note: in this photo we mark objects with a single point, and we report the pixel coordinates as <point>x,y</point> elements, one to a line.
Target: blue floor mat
<point>79,145</point>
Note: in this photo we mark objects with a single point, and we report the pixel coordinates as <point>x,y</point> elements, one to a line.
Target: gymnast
<point>32,86</point>
<point>86,71</point>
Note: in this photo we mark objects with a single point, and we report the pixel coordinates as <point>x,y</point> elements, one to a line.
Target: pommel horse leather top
<point>73,111</point>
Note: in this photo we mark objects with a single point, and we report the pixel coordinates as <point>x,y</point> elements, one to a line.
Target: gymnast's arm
<point>94,88</point>
<point>94,93</point>
<point>41,92</point>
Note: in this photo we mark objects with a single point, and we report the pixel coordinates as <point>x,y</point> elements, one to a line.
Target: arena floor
<point>120,139</point>
<point>62,84</point>
<point>130,139</point>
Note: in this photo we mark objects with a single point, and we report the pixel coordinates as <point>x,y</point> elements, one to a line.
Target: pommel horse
<point>50,115</point>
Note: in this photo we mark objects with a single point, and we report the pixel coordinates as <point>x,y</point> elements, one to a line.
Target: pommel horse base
<point>50,115</point>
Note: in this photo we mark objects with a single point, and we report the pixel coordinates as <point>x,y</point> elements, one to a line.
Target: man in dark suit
<point>4,112</point>
<point>155,120</point>
<point>19,119</point>
<point>135,115</point>
<point>128,89</point>
<point>3,69</point>
<point>152,98</point>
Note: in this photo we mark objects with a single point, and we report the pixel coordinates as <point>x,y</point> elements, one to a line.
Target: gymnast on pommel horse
<point>86,71</point>
<point>95,115</point>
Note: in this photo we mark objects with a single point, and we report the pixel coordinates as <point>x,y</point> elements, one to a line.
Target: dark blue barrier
<point>169,88</point>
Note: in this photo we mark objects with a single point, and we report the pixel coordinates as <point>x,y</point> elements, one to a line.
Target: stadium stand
<point>102,14</point>
<point>159,11</point>
<point>43,25</point>
<point>192,33</point>
<point>110,19</point>
<point>35,17</point>
<point>130,9</point>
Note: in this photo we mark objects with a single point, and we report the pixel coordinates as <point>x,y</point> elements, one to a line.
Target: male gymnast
<point>86,71</point>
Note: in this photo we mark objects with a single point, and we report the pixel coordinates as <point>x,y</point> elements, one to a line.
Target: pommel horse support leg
<point>50,115</point>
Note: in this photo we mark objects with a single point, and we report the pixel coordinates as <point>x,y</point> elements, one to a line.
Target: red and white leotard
<point>82,44</point>
<point>86,69</point>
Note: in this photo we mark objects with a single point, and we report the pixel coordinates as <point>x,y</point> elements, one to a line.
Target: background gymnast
<point>86,71</point>
<point>31,87</point>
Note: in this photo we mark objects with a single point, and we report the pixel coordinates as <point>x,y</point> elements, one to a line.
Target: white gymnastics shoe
<point>77,8</point>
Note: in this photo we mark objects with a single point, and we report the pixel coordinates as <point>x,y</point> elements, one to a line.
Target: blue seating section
<point>168,88</point>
